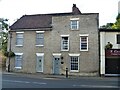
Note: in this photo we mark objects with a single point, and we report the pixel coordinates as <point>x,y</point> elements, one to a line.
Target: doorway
<point>56,64</point>
<point>112,66</point>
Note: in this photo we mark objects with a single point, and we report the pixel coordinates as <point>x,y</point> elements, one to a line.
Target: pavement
<point>35,75</point>
<point>52,76</point>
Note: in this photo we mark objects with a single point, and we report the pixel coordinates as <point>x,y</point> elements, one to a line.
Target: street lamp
<point>10,35</point>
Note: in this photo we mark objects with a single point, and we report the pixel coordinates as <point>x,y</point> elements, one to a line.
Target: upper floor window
<point>65,43</point>
<point>19,38</point>
<point>74,23</point>
<point>39,38</point>
<point>118,38</point>
<point>83,42</point>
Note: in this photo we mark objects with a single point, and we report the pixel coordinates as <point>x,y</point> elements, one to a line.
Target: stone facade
<point>87,61</point>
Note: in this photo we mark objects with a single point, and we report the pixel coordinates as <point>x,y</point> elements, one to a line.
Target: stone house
<point>50,43</point>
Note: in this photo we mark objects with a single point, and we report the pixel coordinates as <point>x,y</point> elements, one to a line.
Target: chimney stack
<point>75,10</point>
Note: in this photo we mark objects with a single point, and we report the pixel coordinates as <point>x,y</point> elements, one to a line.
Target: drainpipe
<point>9,51</point>
<point>99,52</point>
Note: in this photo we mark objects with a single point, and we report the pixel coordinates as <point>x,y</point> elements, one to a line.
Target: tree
<point>3,39</point>
<point>107,26</point>
<point>4,23</point>
<point>4,35</point>
<point>115,25</point>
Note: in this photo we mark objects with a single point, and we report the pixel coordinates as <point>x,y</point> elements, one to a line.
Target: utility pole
<point>10,37</point>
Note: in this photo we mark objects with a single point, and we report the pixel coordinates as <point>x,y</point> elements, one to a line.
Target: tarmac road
<point>22,81</point>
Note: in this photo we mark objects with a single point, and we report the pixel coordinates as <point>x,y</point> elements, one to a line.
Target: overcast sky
<point>14,9</point>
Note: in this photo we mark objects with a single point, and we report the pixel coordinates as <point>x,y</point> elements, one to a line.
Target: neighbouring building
<point>110,58</point>
<point>50,43</point>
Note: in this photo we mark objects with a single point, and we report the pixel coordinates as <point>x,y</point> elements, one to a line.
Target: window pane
<point>18,61</point>
<point>83,43</point>
<point>64,43</point>
<point>74,63</point>
<point>84,39</point>
<point>74,24</point>
<point>20,35</point>
<point>39,39</point>
<point>19,39</point>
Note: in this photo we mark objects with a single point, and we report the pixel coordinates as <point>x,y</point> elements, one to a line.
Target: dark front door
<point>112,66</point>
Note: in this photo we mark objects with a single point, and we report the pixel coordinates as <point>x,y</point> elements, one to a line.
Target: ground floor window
<point>18,60</point>
<point>74,63</point>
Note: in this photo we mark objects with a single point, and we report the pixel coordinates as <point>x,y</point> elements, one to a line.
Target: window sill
<point>74,71</point>
<point>39,45</point>
<point>65,50</point>
<point>18,67</point>
<point>84,50</point>
<point>19,45</point>
<point>74,29</point>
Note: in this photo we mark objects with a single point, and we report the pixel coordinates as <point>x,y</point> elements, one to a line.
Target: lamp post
<point>10,35</point>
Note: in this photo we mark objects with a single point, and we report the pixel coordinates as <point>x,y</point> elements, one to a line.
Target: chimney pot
<point>74,5</point>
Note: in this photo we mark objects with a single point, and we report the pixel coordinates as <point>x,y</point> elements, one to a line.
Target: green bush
<point>9,54</point>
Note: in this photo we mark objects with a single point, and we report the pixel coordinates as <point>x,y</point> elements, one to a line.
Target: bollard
<point>66,72</point>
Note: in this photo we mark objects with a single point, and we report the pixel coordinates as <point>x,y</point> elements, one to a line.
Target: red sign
<point>112,52</point>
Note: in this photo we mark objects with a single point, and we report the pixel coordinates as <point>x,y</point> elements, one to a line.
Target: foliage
<point>4,34</point>
<point>5,39</point>
<point>4,23</point>
<point>115,25</point>
<point>107,26</point>
<point>3,60</point>
<point>109,46</point>
<point>9,54</point>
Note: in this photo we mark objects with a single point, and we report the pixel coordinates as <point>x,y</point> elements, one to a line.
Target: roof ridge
<point>48,14</point>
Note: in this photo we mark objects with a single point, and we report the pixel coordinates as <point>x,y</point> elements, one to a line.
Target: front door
<point>56,65</point>
<point>39,66</point>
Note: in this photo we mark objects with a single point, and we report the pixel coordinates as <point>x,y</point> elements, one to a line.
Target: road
<point>16,81</point>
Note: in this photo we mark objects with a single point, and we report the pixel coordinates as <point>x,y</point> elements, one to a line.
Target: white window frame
<point>20,54</point>
<point>62,36</point>
<point>21,38</point>
<point>77,23</point>
<point>74,55</point>
<point>40,32</point>
<point>41,55</point>
<point>83,35</point>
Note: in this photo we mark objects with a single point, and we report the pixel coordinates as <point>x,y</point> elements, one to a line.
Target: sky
<point>14,9</point>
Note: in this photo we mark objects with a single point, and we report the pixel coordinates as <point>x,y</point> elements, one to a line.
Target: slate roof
<point>35,21</point>
<point>41,21</point>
